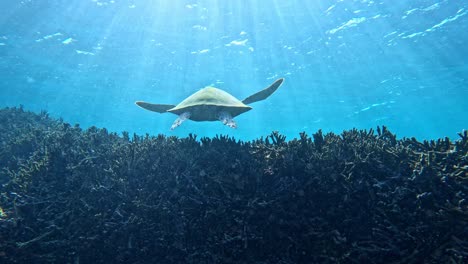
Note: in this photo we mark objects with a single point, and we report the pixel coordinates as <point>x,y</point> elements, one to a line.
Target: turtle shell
<point>206,104</point>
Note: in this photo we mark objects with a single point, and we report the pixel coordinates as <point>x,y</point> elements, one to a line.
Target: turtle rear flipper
<point>182,117</point>
<point>263,94</point>
<point>160,108</point>
<point>226,118</point>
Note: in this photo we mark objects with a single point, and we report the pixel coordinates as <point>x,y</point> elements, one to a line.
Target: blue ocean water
<point>346,64</point>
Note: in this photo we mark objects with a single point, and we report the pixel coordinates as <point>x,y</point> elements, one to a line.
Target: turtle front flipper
<point>160,108</point>
<point>182,117</point>
<point>263,94</point>
<point>226,118</point>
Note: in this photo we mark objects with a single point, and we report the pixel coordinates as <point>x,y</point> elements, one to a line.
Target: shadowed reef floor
<point>69,195</point>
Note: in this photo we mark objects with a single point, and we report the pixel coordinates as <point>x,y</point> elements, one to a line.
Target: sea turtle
<point>210,104</point>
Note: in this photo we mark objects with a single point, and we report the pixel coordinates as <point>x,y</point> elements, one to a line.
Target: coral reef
<point>70,195</point>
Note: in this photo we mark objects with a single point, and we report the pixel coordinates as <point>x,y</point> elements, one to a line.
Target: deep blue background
<point>347,63</point>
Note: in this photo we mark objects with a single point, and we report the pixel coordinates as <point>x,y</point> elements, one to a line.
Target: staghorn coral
<point>90,196</point>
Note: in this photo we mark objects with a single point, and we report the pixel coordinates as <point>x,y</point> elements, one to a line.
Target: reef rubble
<point>69,195</point>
